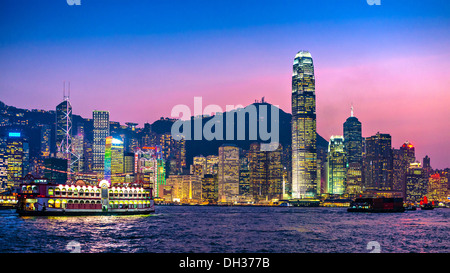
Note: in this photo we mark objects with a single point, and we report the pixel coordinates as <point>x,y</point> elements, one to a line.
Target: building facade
<point>228,173</point>
<point>337,165</point>
<point>378,162</point>
<point>101,131</point>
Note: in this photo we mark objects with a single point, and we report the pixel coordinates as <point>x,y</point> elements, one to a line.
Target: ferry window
<point>50,191</point>
<point>34,189</point>
<point>63,191</point>
<point>97,193</point>
<point>57,203</point>
<point>57,192</point>
<point>120,194</point>
<point>92,193</point>
<point>69,192</point>
<point>125,193</point>
<point>75,193</point>
<point>81,192</point>
<point>115,193</point>
<point>51,203</point>
<point>24,188</point>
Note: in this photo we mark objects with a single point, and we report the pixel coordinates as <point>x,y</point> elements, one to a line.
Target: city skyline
<point>367,58</point>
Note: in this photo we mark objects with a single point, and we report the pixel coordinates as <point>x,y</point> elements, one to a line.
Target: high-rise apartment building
<point>304,153</point>
<point>101,131</point>
<point>228,173</point>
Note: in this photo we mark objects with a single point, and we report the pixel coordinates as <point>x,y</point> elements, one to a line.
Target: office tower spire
<point>304,153</point>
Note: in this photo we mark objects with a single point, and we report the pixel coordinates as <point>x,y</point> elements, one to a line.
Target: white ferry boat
<point>47,199</point>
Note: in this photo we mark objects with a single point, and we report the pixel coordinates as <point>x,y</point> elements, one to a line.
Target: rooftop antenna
<point>351,110</point>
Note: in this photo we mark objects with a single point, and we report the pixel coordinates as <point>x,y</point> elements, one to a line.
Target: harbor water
<point>234,229</point>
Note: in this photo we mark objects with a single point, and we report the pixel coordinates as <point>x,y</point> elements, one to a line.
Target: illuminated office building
<point>45,140</point>
<point>304,153</point>
<point>150,168</point>
<point>212,164</point>
<point>64,129</point>
<point>438,189</point>
<point>353,139</point>
<point>114,161</point>
<point>17,153</point>
<point>266,173</point>
<point>244,174</point>
<point>3,165</point>
<point>228,173</point>
<point>378,162</point>
<point>185,188</point>
<point>209,189</point>
<point>416,184</point>
<point>401,159</point>
<point>101,131</point>
<point>336,165</point>
<point>200,160</point>
<point>354,183</point>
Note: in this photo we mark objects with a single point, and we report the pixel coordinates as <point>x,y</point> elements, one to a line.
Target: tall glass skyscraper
<point>304,153</point>
<point>64,129</point>
<point>353,139</point>
<point>101,131</point>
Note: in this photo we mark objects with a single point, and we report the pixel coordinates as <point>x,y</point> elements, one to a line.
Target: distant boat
<point>377,205</point>
<point>424,205</point>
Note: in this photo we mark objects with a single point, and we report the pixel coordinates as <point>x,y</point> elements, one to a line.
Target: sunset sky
<point>138,59</point>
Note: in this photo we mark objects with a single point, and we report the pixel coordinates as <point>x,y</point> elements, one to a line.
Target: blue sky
<point>138,59</point>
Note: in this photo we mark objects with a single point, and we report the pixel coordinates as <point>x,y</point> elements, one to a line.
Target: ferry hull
<point>375,210</point>
<point>84,212</point>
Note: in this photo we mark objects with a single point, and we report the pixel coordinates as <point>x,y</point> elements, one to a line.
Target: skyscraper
<point>101,131</point>
<point>304,153</point>
<point>228,175</point>
<point>378,162</point>
<point>266,173</point>
<point>416,184</point>
<point>64,129</point>
<point>336,165</point>
<point>353,139</point>
<point>117,161</point>
<point>17,152</point>
<point>401,158</point>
